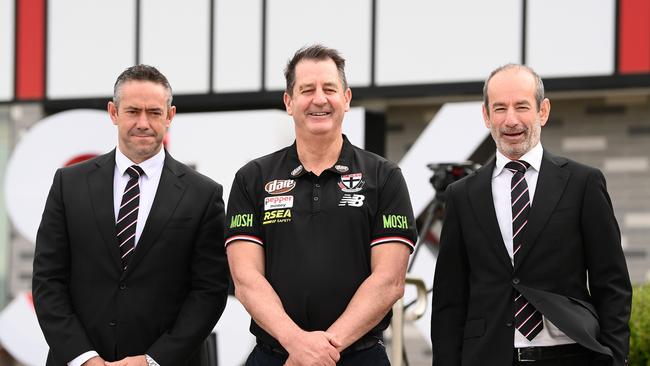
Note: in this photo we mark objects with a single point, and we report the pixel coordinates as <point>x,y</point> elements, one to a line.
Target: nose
<point>511,117</point>
<point>142,122</point>
<point>320,98</point>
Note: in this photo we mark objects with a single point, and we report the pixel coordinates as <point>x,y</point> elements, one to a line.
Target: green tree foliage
<point>640,327</point>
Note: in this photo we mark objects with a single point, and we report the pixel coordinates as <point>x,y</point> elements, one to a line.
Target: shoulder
<point>267,162</point>
<point>89,165</point>
<point>190,175</point>
<point>573,166</point>
<point>371,160</point>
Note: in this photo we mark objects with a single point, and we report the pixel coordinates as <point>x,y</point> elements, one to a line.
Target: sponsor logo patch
<point>351,183</point>
<point>279,186</point>
<point>395,222</point>
<point>341,168</point>
<point>277,202</point>
<point>354,200</point>
<point>276,216</point>
<point>241,220</point>
<point>296,171</point>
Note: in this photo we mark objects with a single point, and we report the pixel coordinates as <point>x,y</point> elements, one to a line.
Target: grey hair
<point>314,52</point>
<point>141,73</point>
<point>539,85</point>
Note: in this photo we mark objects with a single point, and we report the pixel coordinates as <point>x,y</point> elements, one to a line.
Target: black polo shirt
<point>318,231</point>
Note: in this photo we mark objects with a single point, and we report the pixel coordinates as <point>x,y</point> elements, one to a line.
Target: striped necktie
<point>127,217</point>
<point>528,320</point>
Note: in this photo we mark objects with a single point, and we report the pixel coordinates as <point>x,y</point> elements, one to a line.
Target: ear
<point>348,98</point>
<point>171,112</point>
<point>112,112</point>
<point>486,116</point>
<point>544,111</point>
<point>288,103</point>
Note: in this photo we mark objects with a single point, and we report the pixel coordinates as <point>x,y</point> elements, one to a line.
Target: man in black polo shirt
<point>319,233</point>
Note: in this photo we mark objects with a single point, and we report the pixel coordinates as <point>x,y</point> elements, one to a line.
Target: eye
<point>523,108</point>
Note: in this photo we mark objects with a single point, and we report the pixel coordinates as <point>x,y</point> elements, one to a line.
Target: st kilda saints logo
<point>351,183</point>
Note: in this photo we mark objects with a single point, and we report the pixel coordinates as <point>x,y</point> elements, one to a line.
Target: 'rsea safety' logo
<point>279,186</point>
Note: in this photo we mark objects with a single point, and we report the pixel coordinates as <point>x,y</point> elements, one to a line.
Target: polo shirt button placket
<point>316,192</point>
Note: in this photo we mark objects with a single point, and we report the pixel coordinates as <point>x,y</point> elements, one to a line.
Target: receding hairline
<point>538,84</point>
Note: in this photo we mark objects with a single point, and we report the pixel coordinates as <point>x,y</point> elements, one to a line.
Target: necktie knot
<point>134,171</point>
<point>517,166</point>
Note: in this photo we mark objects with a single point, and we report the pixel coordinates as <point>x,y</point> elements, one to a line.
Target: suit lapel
<point>100,184</point>
<point>480,197</point>
<point>169,193</point>
<point>551,183</point>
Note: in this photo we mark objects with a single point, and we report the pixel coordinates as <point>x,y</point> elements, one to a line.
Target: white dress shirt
<point>550,335</point>
<point>152,168</point>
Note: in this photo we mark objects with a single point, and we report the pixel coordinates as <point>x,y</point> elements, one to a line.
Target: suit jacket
<point>171,295</point>
<point>571,268</point>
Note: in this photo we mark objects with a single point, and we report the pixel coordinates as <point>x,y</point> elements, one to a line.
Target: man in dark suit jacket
<point>531,268</point>
<point>134,278</point>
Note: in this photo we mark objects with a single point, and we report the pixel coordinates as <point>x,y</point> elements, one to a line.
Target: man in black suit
<point>531,269</point>
<point>130,264</point>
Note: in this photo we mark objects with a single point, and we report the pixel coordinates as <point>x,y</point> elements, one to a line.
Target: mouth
<point>318,114</point>
<point>142,136</point>
<point>513,135</point>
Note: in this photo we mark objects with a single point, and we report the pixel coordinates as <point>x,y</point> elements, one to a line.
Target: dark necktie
<point>528,320</point>
<point>127,217</point>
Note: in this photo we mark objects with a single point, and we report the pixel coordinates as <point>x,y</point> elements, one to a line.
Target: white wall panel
<point>238,45</point>
<point>89,43</point>
<point>175,37</point>
<point>6,50</point>
<point>571,38</point>
<point>423,41</point>
<point>340,24</point>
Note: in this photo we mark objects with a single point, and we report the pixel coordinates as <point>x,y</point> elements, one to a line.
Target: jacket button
<point>122,286</point>
<point>509,324</point>
<point>112,323</point>
<point>515,281</point>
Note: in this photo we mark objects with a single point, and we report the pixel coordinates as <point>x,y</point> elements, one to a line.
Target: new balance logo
<point>354,200</point>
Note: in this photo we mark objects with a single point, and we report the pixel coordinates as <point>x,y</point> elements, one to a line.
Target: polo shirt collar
<point>342,165</point>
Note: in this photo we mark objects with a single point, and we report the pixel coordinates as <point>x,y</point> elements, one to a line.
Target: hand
<point>95,361</point>
<point>312,348</point>
<point>129,361</point>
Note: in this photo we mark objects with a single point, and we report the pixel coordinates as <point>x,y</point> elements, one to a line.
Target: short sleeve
<point>242,218</point>
<point>394,221</point>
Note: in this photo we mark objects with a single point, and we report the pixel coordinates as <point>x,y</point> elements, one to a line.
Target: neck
<point>319,153</point>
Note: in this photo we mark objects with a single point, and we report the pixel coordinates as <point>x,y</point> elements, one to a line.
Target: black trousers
<point>373,356</point>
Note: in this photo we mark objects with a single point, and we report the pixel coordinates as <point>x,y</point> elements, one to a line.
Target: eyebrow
<point>134,108</point>
<point>329,84</point>
<point>523,102</point>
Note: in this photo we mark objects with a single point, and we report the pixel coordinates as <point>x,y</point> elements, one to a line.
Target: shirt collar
<point>532,157</point>
<point>149,166</point>
<point>342,164</point>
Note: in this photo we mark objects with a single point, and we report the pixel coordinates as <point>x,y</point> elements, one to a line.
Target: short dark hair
<point>314,52</point>
<point>539,85</point>
<point>141,73</point>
